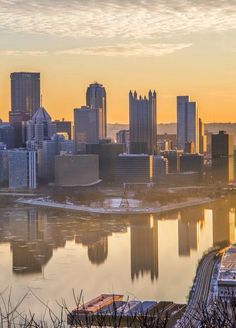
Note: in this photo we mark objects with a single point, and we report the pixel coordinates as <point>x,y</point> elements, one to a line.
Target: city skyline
<point>179,48</point>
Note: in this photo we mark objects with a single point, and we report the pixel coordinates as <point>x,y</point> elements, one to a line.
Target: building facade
<point>46,156</point>
<point>143,123</point>
<point>64,127</point>
<point>22,169</point>
<point>25,92</point>
<point>3,167</point>
<point>40,128</point>
<point>7,135</point>
<point>25,100</point>
<point>222,151</point>
<point>134,168</point>
<point>76,170</point>
<point>87,128</point>
<point>187,123</point>
<point>96,98</point>
<point>108,153</point>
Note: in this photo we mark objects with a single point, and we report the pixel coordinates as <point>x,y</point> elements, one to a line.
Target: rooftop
<point>227,272</point>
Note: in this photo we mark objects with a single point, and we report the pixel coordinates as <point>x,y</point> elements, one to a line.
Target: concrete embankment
<point>115,210</point>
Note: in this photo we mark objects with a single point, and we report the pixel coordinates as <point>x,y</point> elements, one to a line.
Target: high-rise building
<point>7,135</point>
<point>25,92</point>
<point>22,169</point>
<point>223,157</point>
<point>40,128</point>
<point>202,137</point>
<point>122,137</point>
<point>25,100</point>
<point>3,166</point>
<point>192,163</point>
<point>160,168</point>
<point>187,123</point>
<point>46,156</point>
<point>108,153</point>
<point>96,99</point>
<point>87,127</point>
<point>143,123</point>
<point>173,157</point>
<point>63,127</point>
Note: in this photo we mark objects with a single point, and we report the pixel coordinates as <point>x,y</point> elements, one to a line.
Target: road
<point>201,291</point>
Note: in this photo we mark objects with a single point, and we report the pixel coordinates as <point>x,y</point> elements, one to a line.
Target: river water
<point>52,252</point>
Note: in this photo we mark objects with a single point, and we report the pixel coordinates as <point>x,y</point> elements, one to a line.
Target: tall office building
<point>46,155</point>
<point>25,100</point>
<point>63,127</point>
<point>202,137</point>
<point>7,135</point>
<point>40,128</point>
<point>96,99</point>
<point>108,153</point>
<point>3,165</point>
<point>222,157</point>
<point>25,92</point>
<point>22,169</point>
<point>87,127</point>
<point>143,123</point>
<point>187,123</point>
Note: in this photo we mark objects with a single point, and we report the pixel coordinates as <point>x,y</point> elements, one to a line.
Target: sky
<point>177,47</point>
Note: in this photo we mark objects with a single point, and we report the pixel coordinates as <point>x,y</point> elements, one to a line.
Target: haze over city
<point>175,47</point>
<point>118,163</point>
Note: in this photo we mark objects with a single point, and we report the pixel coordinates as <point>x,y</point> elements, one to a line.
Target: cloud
<point>23,53</point>
<point>136,19</point>
<point>121,49</point>
<point>126,50</point>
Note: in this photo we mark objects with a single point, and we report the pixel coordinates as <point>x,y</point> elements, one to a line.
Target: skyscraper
<point>223,157</point>
<point>202,137</point>
<point>143,124</point>
<point>25,92</point>
<point>22,169</point>
<point>40,128</point>
<point>25,100</point>
<point>87,127</point>
<point>187,123</point>
<point>96,99</point>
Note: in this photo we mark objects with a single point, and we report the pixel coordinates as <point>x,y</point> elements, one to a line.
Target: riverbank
<point>116,210</point>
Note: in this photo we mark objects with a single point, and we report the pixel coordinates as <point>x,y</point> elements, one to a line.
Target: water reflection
<point>142,254</point>
<point>144,247</point>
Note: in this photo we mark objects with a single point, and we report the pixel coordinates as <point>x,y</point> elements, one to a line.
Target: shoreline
<point>117,210</point>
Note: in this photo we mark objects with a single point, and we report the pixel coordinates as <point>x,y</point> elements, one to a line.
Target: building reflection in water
<point>190,222</point>
<point>30,248</point>
<point>144,247</point>
<point>35,234</point>
<point>97,243</point>
<point>223,169</point>
<point>33,237</point>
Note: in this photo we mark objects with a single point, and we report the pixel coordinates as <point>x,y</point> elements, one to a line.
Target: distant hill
<point>161,129</point>
<point>171,128</point>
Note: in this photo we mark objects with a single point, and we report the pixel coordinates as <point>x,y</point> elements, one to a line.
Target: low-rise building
<point>76,170</point>
<point>159,168</point>
<point>133,168</point>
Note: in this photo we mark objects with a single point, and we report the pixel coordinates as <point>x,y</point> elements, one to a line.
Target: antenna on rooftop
<point>41,100</point>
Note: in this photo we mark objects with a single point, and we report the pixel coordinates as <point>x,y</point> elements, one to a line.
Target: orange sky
<point>123,47</point>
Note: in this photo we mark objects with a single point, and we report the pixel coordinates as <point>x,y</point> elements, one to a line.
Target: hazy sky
<point>177,47</point>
